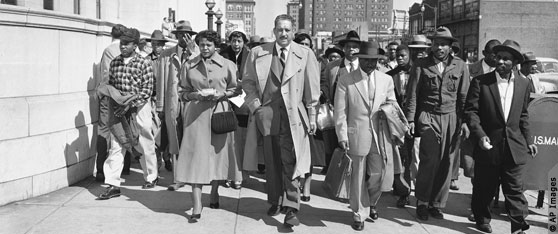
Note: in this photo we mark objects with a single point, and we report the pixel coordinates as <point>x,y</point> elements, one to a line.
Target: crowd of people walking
<point>408,114</point>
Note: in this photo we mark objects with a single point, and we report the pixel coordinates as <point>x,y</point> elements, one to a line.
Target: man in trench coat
<point>282,85</point>
<point>167,69</point>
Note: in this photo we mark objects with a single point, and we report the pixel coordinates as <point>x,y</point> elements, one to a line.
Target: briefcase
<point>338,178</point>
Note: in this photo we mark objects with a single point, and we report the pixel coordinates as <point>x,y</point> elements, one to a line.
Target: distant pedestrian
<point>528,68</point>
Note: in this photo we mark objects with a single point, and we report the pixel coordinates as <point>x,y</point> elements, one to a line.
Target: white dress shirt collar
<point>506,89</point>
<point>348,64</point>
<point>278,49</point>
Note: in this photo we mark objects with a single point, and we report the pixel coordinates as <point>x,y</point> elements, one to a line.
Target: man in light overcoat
<point>281,81</point>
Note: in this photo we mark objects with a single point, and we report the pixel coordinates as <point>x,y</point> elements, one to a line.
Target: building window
<point>230,7</point>
<point>445,10</point>
<point>9,2</point>
<point>77,7</point>
<point>239,7</point>
<point>471,8</point>
<point>457,9</point>
<point>48,4</point>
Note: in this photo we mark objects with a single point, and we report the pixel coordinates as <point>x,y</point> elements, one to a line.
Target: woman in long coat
<point>204,156</point>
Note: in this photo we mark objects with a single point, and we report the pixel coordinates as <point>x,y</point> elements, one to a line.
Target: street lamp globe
<point>219,14</point>
<point>422,8</point>
<point>210,4</point>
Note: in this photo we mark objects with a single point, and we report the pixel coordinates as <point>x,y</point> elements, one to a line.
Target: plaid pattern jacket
<point>136,77</point>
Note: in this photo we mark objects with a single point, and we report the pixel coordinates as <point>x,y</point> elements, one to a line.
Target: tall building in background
<point>293,10</point>
<point>340,16</point>
<point>240,15</point>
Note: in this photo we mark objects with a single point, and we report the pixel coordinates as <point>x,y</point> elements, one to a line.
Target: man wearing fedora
<point>357,101</point>
<point>168,105</point>
<point>436,97</point>
<point>157,41</point>
<point>501,134</point>
<point>419,46</point>
<point>528,68</point>
<point>329,78</point>
<point>486,64</point>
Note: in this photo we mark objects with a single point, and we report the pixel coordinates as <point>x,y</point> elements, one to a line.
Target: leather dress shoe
<point>453,185</point>
<point>305,198</point>
<point>112,191</point>
<point>471,217</point>
<point>373,213</point>
<point>484,227</point>
<point>236,185</point>
<point>274,210</point>
<point>422,212</point>
<point>291,219</point>
<point>149,185</point>
<point>358,226</point>
<point>214,205</point>
<point>403,201</point>
<point>175,186</point>
<point>436,212</point>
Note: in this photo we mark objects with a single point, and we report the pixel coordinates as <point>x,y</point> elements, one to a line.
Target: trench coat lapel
<point>263,63</point>
<point>379,83</point>
<point>361,84</point>
<point>293,62</point>
<point>493,86</point>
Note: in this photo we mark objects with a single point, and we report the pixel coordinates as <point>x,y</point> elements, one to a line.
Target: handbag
<point>223,122</point>
<point>324,118</point>
<point>338,178</point>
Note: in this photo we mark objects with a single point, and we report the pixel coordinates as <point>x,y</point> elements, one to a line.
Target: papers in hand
<point>238,101</point>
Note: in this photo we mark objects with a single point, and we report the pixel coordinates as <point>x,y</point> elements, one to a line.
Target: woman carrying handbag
<point>207,147</point>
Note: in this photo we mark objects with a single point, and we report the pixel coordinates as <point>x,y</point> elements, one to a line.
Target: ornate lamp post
<point>435,14</point>
<point>219,14</point>
<point>210,4</point>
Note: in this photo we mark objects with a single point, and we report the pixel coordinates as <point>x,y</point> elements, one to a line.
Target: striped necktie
<point>283,57</point>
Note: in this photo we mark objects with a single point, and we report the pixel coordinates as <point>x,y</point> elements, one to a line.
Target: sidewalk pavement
<point>75,210</point>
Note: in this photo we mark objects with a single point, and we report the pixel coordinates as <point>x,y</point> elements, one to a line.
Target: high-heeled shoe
<point>214,205</point>
<point>195,217</point>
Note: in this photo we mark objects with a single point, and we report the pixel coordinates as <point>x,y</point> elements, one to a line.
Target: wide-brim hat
<point>529,57</point>
<point>419,41</point>
<point>157,35</point>
<point>444,33</point>
<point>352,36</point>
<point>369,49</point>
<point>184,26</point>
<point>510,46</point>
<point>334,49</point>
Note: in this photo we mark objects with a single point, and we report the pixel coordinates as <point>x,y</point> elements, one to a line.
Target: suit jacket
<point>475,69</point>
<point>300,89</point>
<point>352,109</point>
<point>331,74</point>
<point>485,117</point>
<point>167,69</point>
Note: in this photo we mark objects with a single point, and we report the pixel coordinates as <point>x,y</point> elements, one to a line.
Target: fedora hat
<point>529,57</point>
<point>351,36</point>
<point>369,49</point>
<point>512,47</point>
<point>419,41</point>
<point>334,49</point>
<point>157,35</point>
<point>444,33</point>
<point>184,26</point>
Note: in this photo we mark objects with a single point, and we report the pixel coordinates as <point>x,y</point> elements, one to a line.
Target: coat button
<point>210,80</point>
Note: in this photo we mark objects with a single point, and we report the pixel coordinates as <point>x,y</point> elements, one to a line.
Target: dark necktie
<point>352,67</point>
<point>283,57</point>
<point>184,56</point>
